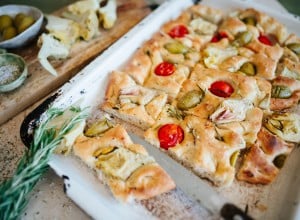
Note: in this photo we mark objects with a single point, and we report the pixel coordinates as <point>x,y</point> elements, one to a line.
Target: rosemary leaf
<point>14,191</point>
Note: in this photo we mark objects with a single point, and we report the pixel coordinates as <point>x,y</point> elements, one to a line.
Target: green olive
<point>98,128</point>
<point>280,91</point>
<point>248,68</point>
<point>242,38</point>
<point>9,33</point>
<point>233,158</point>
<point>5,21</point>
<point>250,21</point>
<point>279,161</point>
<point>26,22</point>
<point>295,47</point>
<point>176,48</point>
<point>18,18</point>
<point>190,99</point>
<point>104,151</point>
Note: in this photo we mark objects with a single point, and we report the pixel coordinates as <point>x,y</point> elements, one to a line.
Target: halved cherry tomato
<point>221,89</point>
<point>164,69</point>
<point>169,135</point>
<point>218,37</point>
<point>178,31</point>
<point>265,40</point>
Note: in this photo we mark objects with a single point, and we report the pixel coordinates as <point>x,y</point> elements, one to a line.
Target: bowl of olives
<point>19,25</point>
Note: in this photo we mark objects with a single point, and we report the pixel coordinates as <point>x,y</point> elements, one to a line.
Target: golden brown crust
<point>258,164</point>
<point>132,103</point>
<point>232,26</point>
<point>144,182</point>
<point>286,103</point>
<point>210,14</point>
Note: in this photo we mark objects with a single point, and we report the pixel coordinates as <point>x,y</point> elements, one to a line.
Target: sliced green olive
<point>190,99</point>
<point>233,158</point>
<point>242,38</point>
<point>250,21</point>
<point>294,47</point>
<point>279,161</point>
<point>271,124</point>
<point>176,47</point>
<point>248,68</point>
<point>104,151</point>
<point>282,92</point>
<point>98,128</point>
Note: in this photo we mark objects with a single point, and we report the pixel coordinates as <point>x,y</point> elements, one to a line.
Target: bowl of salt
<point>13,72</point>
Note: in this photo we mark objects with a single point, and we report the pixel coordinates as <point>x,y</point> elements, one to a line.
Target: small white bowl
<point>30,33</point>
<point>13,72</point>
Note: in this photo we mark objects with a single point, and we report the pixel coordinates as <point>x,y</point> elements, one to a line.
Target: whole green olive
<point>9,33</point>
<point>18,18</point>
<point>190,99</point>
<point>26,22</point>
<point>5,21</point>
<point>242,39</point>
<point>176,47</point>
<point>295,47</point>
<point>280,91</point>
<point>248,68</point>
<point>279,161</point>
<point>249,21</point>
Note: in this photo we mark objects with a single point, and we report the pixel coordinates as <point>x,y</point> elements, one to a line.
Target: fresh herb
<point>14,191</point>
<point>175,113</point>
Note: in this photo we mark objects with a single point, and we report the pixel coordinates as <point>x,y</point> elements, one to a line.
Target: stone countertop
<point>47,201</point>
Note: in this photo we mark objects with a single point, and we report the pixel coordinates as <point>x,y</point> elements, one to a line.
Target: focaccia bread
<point>264,159</point>
<point>131,102</point>
<point>227,86</point>
<point>126,167</point>
<point>208,150</point>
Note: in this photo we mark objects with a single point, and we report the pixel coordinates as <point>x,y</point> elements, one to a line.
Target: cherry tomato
<point>218,37</point>
<point>164,69</point>
<point>221,89</point>
<point>265,40</point>
<point>178,31</point>
<point>169,135</point>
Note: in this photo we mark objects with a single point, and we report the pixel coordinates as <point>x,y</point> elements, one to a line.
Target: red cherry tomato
<point>169,135</point>
<point>265,40</point>
<point>164,69</point>
<point>218,37</point>
<point>221,89</point>
<point>178,31</point>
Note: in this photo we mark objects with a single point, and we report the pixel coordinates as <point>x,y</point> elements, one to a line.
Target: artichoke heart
<point>121,162</point>
<point>286,126</point>
<point>98,128</point>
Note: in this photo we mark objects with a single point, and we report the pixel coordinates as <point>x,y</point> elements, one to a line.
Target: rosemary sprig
<point>14,191</point>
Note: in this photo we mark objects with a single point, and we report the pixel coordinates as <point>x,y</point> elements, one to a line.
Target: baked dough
<point>131,102</point>
<point>126,167</point>
<point>205,149</point>
<point>259,163</point>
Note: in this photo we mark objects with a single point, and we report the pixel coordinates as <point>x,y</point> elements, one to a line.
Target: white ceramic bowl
<point>13,72</point>
<point>30,33</point>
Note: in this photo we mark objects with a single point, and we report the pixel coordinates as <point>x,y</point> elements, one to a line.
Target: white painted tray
<point>276,201</point>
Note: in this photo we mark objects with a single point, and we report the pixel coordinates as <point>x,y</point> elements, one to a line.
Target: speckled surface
<point>48,200</point>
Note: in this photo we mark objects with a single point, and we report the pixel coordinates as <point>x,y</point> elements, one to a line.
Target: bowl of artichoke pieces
<point>19,25</point>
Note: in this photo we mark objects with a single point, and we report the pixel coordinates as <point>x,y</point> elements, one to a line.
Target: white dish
<point>30,33</point>
<point>276,201</point>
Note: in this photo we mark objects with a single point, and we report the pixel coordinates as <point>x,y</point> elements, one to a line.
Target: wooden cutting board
<point>40,83</point>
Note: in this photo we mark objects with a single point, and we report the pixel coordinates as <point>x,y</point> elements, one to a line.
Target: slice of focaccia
<point>131,102</point>
<point>264,159</point>
<point>196,143</point>
<point>126,167</point>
